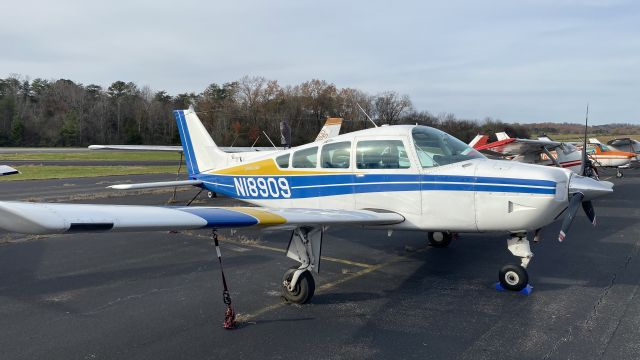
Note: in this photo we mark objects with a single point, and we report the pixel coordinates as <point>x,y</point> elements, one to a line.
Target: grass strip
<point>37,172</point>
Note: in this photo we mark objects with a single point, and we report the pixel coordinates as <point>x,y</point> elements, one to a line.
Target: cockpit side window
<point>305,159</point>
<point>283,161</point>
<point>336,155</point>
<point>381,154</point>
<point>436,148</point>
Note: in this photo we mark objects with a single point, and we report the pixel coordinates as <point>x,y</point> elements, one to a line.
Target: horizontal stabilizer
<point>151,185</point>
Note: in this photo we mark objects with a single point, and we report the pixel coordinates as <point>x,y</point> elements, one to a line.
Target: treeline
<point>61,112</point>
<point>572,128</point>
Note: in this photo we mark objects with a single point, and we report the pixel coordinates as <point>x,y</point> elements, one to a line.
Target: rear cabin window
<point>381,154</point>
<point>283,161</point>
<point>336,155</point>
<point>305,159</point>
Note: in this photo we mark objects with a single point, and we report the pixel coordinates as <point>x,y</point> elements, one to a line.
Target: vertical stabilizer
<point>502,136</point>
<point>200,152</point>
<point>330,129</point>
<point>479,140</point>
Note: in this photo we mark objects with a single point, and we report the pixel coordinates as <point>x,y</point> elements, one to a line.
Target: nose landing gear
<point>514,277</point>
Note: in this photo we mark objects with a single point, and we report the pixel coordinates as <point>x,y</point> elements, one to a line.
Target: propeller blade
<point>590,211</point>
<point>576,199</point>
<point>583,170</point>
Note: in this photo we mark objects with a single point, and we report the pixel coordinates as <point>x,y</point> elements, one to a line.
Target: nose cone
<point>589,187</point>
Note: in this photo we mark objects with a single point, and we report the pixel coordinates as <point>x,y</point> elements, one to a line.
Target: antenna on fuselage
<point>268,138</point>
<point>367,115</point>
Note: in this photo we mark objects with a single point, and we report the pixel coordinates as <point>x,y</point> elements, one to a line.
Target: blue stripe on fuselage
<point>306,186</point>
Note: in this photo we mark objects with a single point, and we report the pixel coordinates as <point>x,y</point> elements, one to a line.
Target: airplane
<point>625,144</point>
<point>7,170</point>
<point>603,156</point>
<point>542,151</point>
<point>330,129</point>
<point>402,177</point>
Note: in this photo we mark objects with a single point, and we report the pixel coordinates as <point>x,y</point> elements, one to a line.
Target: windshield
<point>436,148</point>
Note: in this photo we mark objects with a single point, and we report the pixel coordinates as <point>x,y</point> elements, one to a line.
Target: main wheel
<point>513,277</point>
<point>304,289</point>
<point>619,175</point>
<point>439,239</point>
<point>211,195</point>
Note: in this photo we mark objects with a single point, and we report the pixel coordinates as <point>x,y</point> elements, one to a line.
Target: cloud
<point>518,61</point>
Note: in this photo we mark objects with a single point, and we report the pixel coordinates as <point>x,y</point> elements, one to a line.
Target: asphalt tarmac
<point>159,295</point>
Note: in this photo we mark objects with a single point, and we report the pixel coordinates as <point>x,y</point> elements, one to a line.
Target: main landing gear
<point>514,277</point>
<point>619,174</point>
<point>439,239</point>
<point>298,285</point>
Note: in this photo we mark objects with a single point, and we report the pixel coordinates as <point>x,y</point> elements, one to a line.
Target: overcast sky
<point>519,61</point>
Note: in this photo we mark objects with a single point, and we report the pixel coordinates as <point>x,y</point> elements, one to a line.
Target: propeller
<point>574,203</point>
<point>582,189</point>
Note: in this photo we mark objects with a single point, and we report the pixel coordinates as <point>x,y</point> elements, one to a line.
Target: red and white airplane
<point>542,151</point>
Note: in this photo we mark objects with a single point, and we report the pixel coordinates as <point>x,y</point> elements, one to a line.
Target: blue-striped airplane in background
<point>390,177</point>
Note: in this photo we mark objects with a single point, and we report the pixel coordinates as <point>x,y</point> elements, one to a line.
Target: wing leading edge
<point>46,218</point>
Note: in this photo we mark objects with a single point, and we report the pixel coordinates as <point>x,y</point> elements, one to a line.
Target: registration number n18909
<point>266,187</point>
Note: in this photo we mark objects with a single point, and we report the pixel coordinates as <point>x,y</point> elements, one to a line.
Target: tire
<point>619,175</point>
<point>304,289</point>
<point>513,277</point>
<point>439,239</point>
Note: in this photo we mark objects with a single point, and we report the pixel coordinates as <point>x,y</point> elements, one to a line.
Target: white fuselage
<point>466,196</point>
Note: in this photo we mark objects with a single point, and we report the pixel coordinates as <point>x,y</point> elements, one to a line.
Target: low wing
<point>7,170</point>
<point>517,147</point>
<point>47,218</point>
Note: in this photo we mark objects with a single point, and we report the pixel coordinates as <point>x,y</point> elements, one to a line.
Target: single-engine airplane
<point>603,156</point>
<point>401,177</point>
<point>542,151</point>
<point>625,144</point>
<point>330,129</point>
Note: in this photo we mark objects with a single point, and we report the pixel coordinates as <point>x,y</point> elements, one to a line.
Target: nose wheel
<point>304,287</point>
<point>513,277</point>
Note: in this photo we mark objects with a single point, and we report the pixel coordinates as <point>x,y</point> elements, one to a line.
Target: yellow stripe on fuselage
<point>268,167</point>
<point>263,216</point>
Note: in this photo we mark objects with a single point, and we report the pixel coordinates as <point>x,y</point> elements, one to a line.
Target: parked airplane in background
<point>625,144</point>
<point>391,177</point>
<point>7,170</point>
<point>603,156</point>
<point>330,129</point>
<point>543,151</point>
